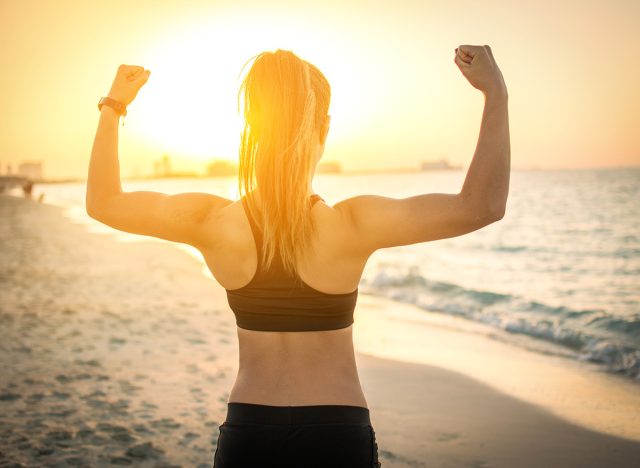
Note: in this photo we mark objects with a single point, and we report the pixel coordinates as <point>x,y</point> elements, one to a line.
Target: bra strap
<point>315,198</point>
<point>255,230</point>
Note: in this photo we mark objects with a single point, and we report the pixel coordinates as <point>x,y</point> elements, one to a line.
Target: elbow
<point>90,206</point>
<point>98,207</point>
<point>497,213</point>
<point>485,213</point>
<point>95,210</point>
<point>488,215</point>
<point>92,211</point>
<point>89,202</point>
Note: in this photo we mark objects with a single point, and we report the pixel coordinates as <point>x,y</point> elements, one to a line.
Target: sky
<point>397,97</point>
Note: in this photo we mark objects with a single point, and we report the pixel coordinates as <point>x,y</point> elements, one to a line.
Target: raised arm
<point>380,222</point>
<point>179,218</point>
<point>487,181</point>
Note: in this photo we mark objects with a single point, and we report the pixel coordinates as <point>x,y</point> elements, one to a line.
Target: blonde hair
<point>286,101</point>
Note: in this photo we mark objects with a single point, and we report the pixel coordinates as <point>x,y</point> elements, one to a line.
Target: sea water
<point>562,266</point>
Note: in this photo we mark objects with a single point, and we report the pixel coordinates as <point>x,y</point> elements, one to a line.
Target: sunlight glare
<point>189,108</point>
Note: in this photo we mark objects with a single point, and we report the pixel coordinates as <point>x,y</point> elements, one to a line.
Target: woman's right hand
<point>480,68</point>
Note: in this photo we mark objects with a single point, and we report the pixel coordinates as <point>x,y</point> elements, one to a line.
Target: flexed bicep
<point>179,218</point>
<point>380,222</point>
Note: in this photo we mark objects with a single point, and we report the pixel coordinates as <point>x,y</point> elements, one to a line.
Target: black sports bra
<point>273,301</point>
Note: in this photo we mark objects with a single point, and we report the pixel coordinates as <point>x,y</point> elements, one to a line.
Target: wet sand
<point>123,354</point>
<point>432,417</point>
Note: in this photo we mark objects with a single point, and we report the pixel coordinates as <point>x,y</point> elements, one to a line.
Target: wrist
<point>109,111</point>
<point>496,94</point>
<point>119,107</point>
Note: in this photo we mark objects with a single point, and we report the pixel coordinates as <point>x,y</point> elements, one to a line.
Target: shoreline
<point>577,391</point>
<point>428,416</point>
<point>102,368</point>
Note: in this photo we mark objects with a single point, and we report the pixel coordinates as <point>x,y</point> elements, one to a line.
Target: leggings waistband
<point>251,413</point>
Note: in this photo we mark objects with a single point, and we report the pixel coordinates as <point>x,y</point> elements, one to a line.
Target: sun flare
<point>189,107</point>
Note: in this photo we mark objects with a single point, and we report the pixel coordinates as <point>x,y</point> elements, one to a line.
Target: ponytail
<point>286,101</point>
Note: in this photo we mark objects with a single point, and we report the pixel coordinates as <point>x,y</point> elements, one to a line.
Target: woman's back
<point>284,368</point>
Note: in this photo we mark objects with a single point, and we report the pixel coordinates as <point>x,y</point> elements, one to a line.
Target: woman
<point>290,263</point>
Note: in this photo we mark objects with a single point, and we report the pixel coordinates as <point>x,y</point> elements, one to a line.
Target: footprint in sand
<point>116,433</point>
<point>58,437</point>
<point>64,378</point>
<point>84,433</point>
<point>59,411</point>
<point>188,438</point>
<point>90,362</point>
<point>77,461</point>
<point>60,395</point>
<point>147,405</point>
<point>446,436</point>
<point>202,411</point>
<point>120,461</point>
<point>165,423</point>
<point>144,451</point>
<point>142,429</point>
<point>29,381</point>
<point>128,388</point>
<point>479,464</point>
<point>192,369</point>
<point>196,341</point>
<point>6,396</point>
<point>41,451</point>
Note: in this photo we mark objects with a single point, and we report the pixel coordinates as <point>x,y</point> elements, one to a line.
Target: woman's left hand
<point>128,81</point>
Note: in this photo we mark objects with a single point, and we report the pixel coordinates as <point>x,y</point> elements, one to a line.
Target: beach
<point>123,354</point>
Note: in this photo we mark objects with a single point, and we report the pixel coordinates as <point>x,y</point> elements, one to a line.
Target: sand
<point>429,416</point>
<point>123,353</point>
<point>580,392</point>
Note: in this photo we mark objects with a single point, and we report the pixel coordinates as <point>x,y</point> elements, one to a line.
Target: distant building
<point>166,165</point>
<point>439,165</point>
<point>162,167</point>
<point>30,170</point>
<point>329,167</point>
<point>221,168</point>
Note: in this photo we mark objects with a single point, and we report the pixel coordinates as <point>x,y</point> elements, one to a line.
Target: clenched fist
<point>479,67</point>
<point>128,81</point>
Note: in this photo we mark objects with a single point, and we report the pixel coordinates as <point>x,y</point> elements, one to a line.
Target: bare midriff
<point>297,369</point>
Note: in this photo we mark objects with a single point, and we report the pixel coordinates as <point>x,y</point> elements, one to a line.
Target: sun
<point>190,106</point>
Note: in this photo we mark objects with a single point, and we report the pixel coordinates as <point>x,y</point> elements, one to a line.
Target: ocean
<point>563,266</point>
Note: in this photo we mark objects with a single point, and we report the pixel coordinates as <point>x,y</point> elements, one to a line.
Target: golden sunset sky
<point>571,69</point>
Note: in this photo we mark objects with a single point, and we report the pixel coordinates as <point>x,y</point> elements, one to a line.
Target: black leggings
<point>296,436</point>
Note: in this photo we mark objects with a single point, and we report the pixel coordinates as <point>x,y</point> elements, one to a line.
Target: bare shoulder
<point>375,222</point>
